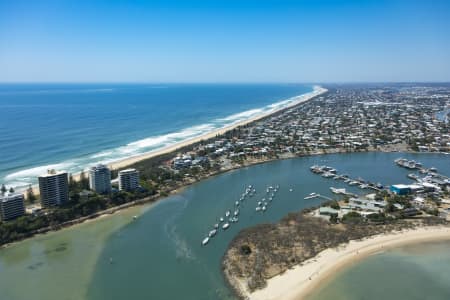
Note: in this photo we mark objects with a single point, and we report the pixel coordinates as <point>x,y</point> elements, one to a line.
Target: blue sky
<point>224,41</point>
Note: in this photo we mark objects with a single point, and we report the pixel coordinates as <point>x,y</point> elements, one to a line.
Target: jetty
<point>330,172</point>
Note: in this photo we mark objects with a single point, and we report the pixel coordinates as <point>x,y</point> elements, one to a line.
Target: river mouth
<point>160,255</point>
<point>426,266</point>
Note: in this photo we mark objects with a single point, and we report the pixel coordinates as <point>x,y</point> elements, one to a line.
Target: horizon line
<point>222,82</point>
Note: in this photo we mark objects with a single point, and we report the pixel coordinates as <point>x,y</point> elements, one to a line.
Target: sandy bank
<point>297,283</point>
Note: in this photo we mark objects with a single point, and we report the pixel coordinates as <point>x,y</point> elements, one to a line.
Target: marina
<point>330,172</point>
<point>429,175</point>
<point>261,206</point>
<point>164,244</point>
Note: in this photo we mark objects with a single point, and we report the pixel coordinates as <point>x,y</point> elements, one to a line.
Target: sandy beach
<point>318,90</point>
<point>297,283</point>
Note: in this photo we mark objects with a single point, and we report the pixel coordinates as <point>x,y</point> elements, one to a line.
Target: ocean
<point>159,255</point>
<point>74,126</point>
<point>412,272</point>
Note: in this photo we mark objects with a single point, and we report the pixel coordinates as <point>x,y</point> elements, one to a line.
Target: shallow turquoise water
<point>159,256</point>
<point>413,272</point>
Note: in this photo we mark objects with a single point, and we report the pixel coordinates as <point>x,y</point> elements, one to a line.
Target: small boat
<point>135,217</point>
<point>212,233</point>
<point>236,203</point>
<point>225,226</point>
<point>337,191</point>
<point>227,213</point>
<point>259,203</point>
<point>328,175</point>
<point>216,225</point>
<point>364,186</point>
<point>258,208</point>
<point>353,182</point>
<point>263,208</point>
<point>221,219</point>
<point>110,260</point>
<point>236,212</point>
<point>413,176</point>
<point>205,241</point>
<point>432,169</point>
<point>311,196</point>
<point>290,190</point>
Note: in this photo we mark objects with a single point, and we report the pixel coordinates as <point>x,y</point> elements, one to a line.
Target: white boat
<point>225,226</point>
<point>263,208</point>
<point>135,217</point>
<point>236,203</point>
<point>290,190</point>
<point>216,225</point>
<point>311,196</point>
<point>353,182</point>
<point>205,241</point>
<point>236,212</point>
<point>227,213</point>
<point>212,233</point>
<point>258,208</point>
<point>259,203</point>
<point>337,191</point>
<point>221,219</point>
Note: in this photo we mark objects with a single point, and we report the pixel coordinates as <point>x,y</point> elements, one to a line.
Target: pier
<point>431,174</point>
<point>330,172</point>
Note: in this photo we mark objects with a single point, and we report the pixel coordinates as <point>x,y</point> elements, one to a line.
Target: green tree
<point>30,194</point>
<point>11,190</point>
<point>3,189</point>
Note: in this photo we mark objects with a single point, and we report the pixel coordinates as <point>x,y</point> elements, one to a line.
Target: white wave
<point>29,176</point>
<point>243,115</point>
<point>169,138</point>
<point>102,154</point>
<point>36,171</point>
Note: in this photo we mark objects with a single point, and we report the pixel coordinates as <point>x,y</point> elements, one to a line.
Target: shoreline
<point>150,200</point>
<point>317,91</point>
<point>302,280</point>
<point>123,163</point>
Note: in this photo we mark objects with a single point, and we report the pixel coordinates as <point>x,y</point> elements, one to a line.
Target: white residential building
<point>100,179</point>
<point>11,206</point>
<point>54,188</point>
<point>128,179</point>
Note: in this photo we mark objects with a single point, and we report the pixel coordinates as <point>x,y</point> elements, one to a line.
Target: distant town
<point>348,118</point>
